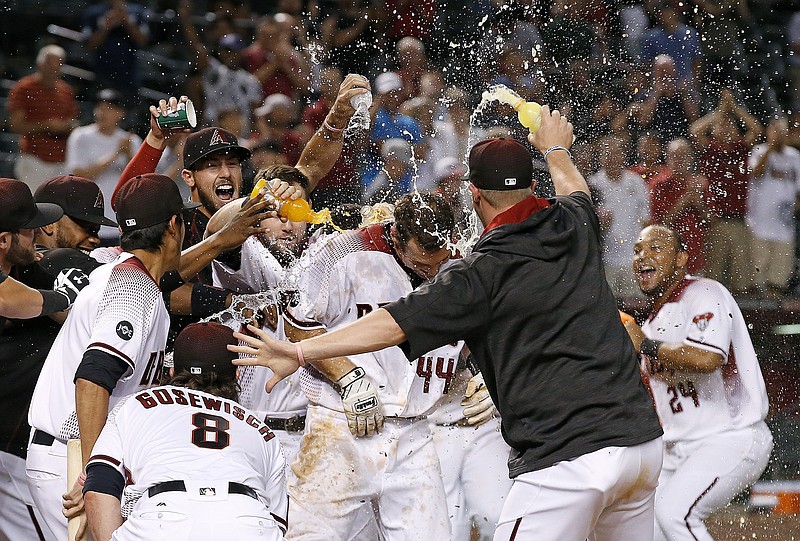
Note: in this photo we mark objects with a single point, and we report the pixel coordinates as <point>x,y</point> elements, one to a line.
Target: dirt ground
<point>739,525</point>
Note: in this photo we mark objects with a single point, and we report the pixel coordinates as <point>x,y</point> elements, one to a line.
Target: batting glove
<point>69,283</point>
<point>479,406</point>
<point>362,407</point>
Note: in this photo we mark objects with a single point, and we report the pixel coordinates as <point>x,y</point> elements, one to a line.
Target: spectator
<point>623,211</point>
<point>649,158</point>
<point>449,173</point>
<point>100,151</point>
<point>226,84</point>
<point>673,38</point>
<point>42,109</point>
<point>275,63</point>
<point>114,31</point>
<point>678,199</point>
<point>721,24</point>
<point>669,107</point>
<point>268,152</point>
<point>772,201</point>
<point>412,62</point>
<point>388,122</point>
<point>348,36</point>
<point>395,177</point>
<point>275,120</point>
<point>567,35</point>
<point>412,18</point>
<point>722,159</point>
<point>422,110</point>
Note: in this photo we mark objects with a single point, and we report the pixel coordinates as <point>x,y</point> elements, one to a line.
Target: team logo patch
<point>702,320</point>
<point>98,201</point>
<point>511,181</point>
<point>208,491</point>
<point>125,330</point>
<point>130,222</point>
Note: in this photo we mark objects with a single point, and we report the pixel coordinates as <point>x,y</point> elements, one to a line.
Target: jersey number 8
<point>211,431</point>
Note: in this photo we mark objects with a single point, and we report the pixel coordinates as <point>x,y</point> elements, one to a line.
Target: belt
<point>461,422</point>
<point>291,424</point>
<point>42,438</point>
<point>180,486</point>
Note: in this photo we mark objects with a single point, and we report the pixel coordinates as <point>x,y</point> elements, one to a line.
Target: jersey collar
<point>518,213</point>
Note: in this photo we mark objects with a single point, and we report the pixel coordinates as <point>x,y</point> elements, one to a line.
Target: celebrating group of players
<point>385,356</point>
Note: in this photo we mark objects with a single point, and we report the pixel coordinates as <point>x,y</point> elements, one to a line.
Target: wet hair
<point>286,173</point>
<point>677,238</point>
<point>149,239</point>
<point>212,383</point>
<point>425,217</point>
<point>347,216</point>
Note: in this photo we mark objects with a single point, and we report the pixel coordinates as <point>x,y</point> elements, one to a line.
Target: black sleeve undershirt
<point>104,479</point>
<point>101,368</point>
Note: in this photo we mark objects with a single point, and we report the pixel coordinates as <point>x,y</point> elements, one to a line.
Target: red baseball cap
<point>18,209</point>
<point>201,348</point>
<point>500,164</point>
<point>147,200</point>
<point>79,197</point>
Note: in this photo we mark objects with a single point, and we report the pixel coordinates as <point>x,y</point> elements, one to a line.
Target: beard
<point>17,255</point>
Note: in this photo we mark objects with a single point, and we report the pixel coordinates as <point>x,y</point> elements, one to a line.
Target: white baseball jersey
<point>693,405</point>
<point>173,433</point>
<point>121,313</point>
<point>771,197</point>
<point>352,275</point>
<point>260,271</point>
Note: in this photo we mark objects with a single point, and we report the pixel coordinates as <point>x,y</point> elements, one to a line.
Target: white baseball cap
<point>388,81</point>
<point>273,101</point>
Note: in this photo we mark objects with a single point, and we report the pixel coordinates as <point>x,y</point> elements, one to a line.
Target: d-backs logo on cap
<point>218,138</point>
<point>702,320</point>
<point>98,201</point>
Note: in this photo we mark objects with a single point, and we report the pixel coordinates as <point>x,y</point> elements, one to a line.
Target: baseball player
<point>260,266</point>
<point>208,468</point>
<point>112,343</point>
<point>338,478</point>
<point>472,455</point>
<point>707,386</point>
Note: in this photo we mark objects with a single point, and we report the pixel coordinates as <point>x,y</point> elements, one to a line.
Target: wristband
<point>331,128</point>
<point>170,281</point>
<point>82,479</point>
<point>300,358</point>
<point>557,147</point>
<point>650,347</point>
<point>53,301</point>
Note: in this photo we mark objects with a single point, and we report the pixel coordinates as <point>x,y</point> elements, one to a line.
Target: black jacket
<point>534,307</point>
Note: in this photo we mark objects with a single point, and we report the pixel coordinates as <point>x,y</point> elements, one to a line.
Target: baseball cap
<point>233,42</point>
<point>18,209</point>
<point>147,200</point>
<point>396,148</point>
<point>448,166</point>
<point>201,349</point>
<point>110,96</point>
<point>500,164</point>
<point>79,198</point>
<point>209,140</point>
<point>271,102</point>
<point>388,81</point>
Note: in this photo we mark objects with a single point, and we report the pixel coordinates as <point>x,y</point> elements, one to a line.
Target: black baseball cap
<point>500,164</point>
<point>207,141</point>
<point>147,200</point>
<point>201,348</point>
<point>18,209</point>
<point>79,197</point>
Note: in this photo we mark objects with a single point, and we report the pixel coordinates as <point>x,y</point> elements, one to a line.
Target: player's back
<point>174,433</point>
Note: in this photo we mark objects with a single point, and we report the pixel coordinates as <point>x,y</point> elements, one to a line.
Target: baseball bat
<point>74,468</point>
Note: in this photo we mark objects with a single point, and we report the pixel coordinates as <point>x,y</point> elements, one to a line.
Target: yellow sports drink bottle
<point>294,210</point>
<point>529,114</point>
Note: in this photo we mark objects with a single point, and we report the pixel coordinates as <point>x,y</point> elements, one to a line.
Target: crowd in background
<point>684,115</point>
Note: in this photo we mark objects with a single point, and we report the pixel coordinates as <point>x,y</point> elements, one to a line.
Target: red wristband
<point>300,358</point>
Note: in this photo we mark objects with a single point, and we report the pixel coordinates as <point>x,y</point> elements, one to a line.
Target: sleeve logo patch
<point>702,320</point>
<point>125,330</point>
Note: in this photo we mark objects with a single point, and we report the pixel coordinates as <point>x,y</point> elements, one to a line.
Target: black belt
<point>180,486</point>
<point>42,438</point>
<point>292,424</point>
